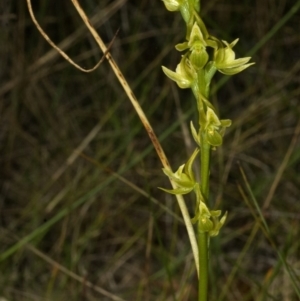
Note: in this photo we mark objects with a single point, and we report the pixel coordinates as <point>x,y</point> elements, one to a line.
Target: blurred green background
<point>81,217</point>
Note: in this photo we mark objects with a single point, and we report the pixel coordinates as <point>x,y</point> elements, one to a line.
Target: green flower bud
<point>225,60</point>
<point>186,11</point>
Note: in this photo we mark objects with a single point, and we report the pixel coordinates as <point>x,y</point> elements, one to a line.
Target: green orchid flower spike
<point>225,61</point>
<point>183,178</point>
<point>203,56</point>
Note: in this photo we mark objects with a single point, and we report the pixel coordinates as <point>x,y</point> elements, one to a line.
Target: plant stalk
<point>203,260</point>
<point>203,237</point>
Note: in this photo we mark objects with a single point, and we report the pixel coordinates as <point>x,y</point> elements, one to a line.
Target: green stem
<point>203,237</point>
<point>202,89</point>
<point>203,260</point>
<point>205,160</point>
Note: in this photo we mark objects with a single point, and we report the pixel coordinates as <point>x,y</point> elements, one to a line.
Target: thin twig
<point>65,56</point>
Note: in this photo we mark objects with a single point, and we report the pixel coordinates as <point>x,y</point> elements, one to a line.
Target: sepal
<point>182,46</point>
<point>195,135</point>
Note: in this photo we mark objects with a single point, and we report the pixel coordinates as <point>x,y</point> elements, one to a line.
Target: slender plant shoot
<point>195,70</point>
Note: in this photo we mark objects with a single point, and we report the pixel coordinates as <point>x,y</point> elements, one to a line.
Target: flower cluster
<point>196,70</point>
<point>203,55</point>
<point>198,66</point>
<point>196,59</point>
<point>184,179</point>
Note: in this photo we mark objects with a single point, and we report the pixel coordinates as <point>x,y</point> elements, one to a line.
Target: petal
<point>229,56</point>
<point>204,212</point>
<point>182,81</point>
<point>232,44</point>
<point>232,71</point>
<point>214,138</point>
<point>199,58</point>
<point>195,134</point>
<point>212,118</point>
<point>218,226</point>
<point>182,46</point>
<point>223,219</point>
<point>225,123</point>
<point>215,213</point>
<point>205,224</point>
<point>234,63</point>
<point>219,56</point>
<point>212,43</point>
<point>178,172</point>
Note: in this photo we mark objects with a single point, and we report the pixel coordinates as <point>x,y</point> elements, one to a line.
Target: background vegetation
<point>81,217</point>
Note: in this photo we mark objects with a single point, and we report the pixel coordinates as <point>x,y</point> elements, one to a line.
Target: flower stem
<point>203,237</point>
<point>205,160</point>
<point>203,260</point>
